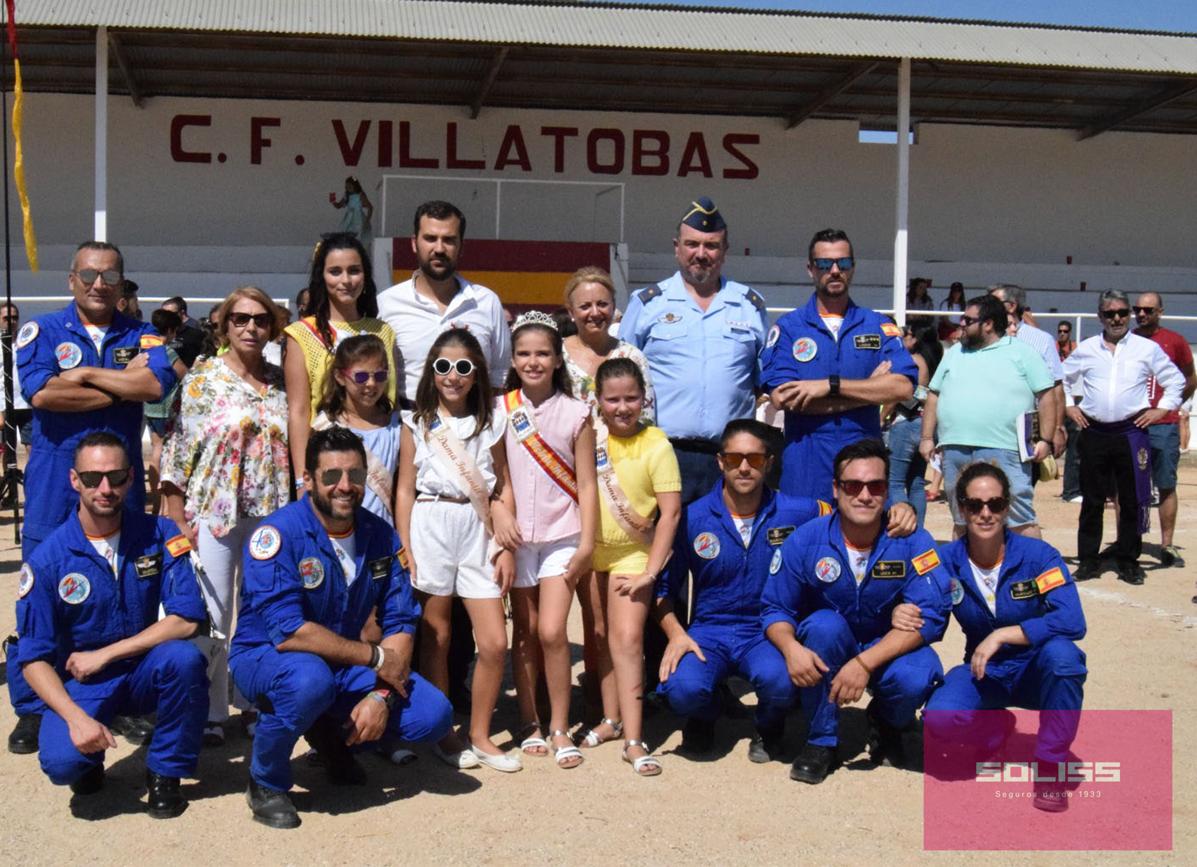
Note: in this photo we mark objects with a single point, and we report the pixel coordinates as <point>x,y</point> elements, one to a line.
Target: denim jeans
<point>907,468</point>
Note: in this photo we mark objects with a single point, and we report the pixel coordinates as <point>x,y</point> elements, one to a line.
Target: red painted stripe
<point>490,255</point>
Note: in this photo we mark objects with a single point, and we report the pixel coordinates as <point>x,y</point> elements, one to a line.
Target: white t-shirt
<point>858,560</point>
<point>345,548</point>
<point>744,526</point>
<point>987,581</point>
<point>97,334</point>
<point>833,324</point>
<point>434,477</point>
<point>107,547</point>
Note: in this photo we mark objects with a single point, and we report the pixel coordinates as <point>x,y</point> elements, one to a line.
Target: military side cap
<point>704,216</point>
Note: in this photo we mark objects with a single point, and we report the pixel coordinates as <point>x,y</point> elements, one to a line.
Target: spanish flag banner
<point>18,166</point>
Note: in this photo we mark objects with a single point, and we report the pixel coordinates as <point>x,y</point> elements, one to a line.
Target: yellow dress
<point>317,356</point>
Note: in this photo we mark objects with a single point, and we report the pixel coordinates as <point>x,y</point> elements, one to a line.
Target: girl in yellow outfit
<point>638,480</point>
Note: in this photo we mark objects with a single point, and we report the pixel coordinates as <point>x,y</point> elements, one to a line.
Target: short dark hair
<point>438,210</point>
<point>101,439</point>
<point>129,288</point>
<point>980,470</point>
<point>766,433</point>
<point>177,301</point>
<point>861,450</point>
<point>165,320</point>
<point>102,246</point>
<point>1063,322</point>
<point>332,439</point>
<point>828,236</point>
<point>990,309</point>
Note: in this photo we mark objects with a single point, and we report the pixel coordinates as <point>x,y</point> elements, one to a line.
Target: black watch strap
<point>833,381</point>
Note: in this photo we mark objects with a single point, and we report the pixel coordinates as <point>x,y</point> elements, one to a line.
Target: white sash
<point>639,528</point>
<point>448,448</point>
<point>378,477</point>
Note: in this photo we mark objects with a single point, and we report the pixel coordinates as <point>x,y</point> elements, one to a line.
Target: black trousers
<point>1106,464</point>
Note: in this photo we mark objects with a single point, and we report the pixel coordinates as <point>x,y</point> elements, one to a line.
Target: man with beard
<point>314,572</point>
<point>984,384</point>
<point>437,298</point>
<point>1109,376</point>
<point>829,365</point>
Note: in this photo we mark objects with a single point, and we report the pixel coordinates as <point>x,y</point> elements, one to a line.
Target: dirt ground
<point>1141,653</point>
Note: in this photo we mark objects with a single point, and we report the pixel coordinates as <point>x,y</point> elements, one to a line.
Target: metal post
<point>903,197</point>
<point>101,134</point>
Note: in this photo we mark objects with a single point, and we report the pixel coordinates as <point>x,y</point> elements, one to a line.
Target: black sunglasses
<point>974,505</point>
<point>853,487</point>
<point>442,366</point>
<point>357,477</point>
<point>240,320</point>
<point>1120,313</point>
<point>968,320</point>
<point>844,263</point>
<point>732,460</point>
<point>92,478</point>
<point>1140,311</point>
<point>361,377</point>
<point>88,276</point>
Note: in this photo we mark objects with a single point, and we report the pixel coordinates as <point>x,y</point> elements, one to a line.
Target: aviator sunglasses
<point>844,263</point>
<point>357,476</point>
<point>88,276</point>
<point>92,478</point>
<point>442,366</point>
<point>361,377</point>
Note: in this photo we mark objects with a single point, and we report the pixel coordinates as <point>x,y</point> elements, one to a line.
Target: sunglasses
<point>733,460</point>
<point>968,320</point>
<point>443,366</point>
<point>844,263</point>
<point>853,487</point>
<point>92,478</point>
<point>1120,313</point>
<point>361,377</point>
<point>357,477</point>
<point>240,320</point>
<point>974,505</point>
<point>88,276</point>
<point>1063,330</point>
<point>1140,311</point>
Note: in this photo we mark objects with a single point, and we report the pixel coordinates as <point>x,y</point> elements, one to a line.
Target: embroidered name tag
<point>380,568</point>
<point>150,564</point>
<point>777,535</point>
<point>1023,590</point>
<point>867,341</point>
<point>889,569</point>
<point>124,354</point>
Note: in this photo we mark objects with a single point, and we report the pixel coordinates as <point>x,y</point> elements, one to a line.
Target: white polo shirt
<point>417,322</point>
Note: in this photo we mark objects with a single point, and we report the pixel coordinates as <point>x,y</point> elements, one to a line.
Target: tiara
<point>534,317</point>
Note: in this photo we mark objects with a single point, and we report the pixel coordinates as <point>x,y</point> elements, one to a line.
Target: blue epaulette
<point>646,295</point>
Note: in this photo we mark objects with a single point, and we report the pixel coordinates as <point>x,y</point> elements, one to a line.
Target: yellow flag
<point>18,170</point>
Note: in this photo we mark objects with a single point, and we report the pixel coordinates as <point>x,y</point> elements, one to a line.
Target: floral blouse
<point>583,382</point>
<point>227,449</point>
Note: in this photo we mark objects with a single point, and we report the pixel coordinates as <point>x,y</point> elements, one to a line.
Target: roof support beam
<point>126,71</point>
<point>488,82</point>
<point>1161,98</point>
<point>855,74</point>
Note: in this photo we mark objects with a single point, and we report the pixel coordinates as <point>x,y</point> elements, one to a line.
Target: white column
<point>903,197</point>
<point>101,135</point>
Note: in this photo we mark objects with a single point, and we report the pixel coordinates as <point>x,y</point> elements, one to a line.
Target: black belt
<point>695,444</point>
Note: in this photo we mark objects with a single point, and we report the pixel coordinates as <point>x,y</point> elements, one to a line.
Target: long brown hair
<point>480,398</point>
<point>353,350</point>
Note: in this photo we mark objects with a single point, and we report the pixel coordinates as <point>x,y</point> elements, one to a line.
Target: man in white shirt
<point>1108,376</point>
<point>437,298</point>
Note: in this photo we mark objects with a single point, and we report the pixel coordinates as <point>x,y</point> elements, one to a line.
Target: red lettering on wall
<point>695,157</point>
<point>177,124</point>
<point>615,166</point>
<point>351,153</point>
<point>257,141</point>
<point>513,151</point>
<point>648,160</point>
<point>386,144</point>
<point>406,160</point>
<point>451,159</point>
<point>750,169</point>
<point>559,134</point>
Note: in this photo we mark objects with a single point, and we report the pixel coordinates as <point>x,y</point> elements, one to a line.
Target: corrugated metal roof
<point>671,29</point>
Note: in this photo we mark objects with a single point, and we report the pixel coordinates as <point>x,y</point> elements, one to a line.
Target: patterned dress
<point>583,383</point>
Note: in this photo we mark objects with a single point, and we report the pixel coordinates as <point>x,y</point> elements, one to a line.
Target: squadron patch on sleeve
<point>404,560</point>
<point>148,341</point>
<point>957,592</point>
<point>1049,580</point>
<point>69,355</point>
<point>74,588</point>
<point>805,349</point>
<point>774,334</point>
<point>775,563</point>
<point>178,545</point>
<point>926,561</point>
<point>27,333</point>
<point>890,330</point>
<point>311,572</point>
<point>264,543</point>
<point>25,581</point>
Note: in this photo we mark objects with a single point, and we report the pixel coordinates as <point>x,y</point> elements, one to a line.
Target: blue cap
<point>704,216</point>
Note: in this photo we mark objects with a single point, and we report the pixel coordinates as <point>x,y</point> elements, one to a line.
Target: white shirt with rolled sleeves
<point>417,322</point>
<point>703,363</point>
<point>1113,385</point>
<point>1045,345</point>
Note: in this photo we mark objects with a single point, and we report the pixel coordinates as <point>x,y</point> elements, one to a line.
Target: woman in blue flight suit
<point>1021,615</point>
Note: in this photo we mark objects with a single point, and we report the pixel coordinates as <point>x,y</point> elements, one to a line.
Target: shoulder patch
<point>774,334</point>
<point>957,591</point>
<point>27,333</point>
<point>824,508</point>
<point>151,340</point>
<point>706,546</point>
<point>264,543</point>
<point>827,569</point>
<point>755,299</point>
<point>646,295</point>
<point>74,588</point>
<point>1049,580</point>
<point>404,560</point>
<point>775,563</point>
<point>178,545</point>
<point>311,572</point>
<point>926,561</point>
<point>890,330</point>
<point>25,582</point>
<point>69,355</point>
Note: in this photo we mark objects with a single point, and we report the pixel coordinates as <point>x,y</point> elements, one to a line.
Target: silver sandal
<point>644,766</point>
<point>592,738</point>
<point>564,754</point>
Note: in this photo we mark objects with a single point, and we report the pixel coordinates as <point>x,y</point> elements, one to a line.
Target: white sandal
<point>644,766</point>
<point>533,742</point>
<point>592,738</point>
<point>564,754</point>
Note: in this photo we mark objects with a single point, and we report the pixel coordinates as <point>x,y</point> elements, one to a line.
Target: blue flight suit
<point>1036,592</point>
<point>70,600</point>
<point>703,364</point>
<point>292,577</point>
<point>47,346</point>
<point>801,347</point>
<point>811,587</point>
<point>727,584</point>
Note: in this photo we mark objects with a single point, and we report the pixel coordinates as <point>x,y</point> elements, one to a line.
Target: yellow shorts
<point>630,558</point>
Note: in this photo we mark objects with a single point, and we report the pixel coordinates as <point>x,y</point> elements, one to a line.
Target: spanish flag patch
<point>151,340</point>
<point>403,558</point>
<point>890,330</point>
<point>178,545</point>
<point>1049,580</point>
<point>926,561</point>
<point>824,508</point>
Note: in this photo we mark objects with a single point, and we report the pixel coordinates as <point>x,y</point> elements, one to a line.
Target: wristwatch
<point>833,383</point>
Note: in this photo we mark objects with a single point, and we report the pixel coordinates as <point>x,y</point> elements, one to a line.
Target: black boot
<point>885,741</point>
<point>164,798</point>
<point>813,764</point>
<point>271,807</point>
<point>23,739</point>
<point>91,782</point>
<point>698,736</point>
<point>341,768</point>
<point>765,746</point>
<point>136,730</point>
